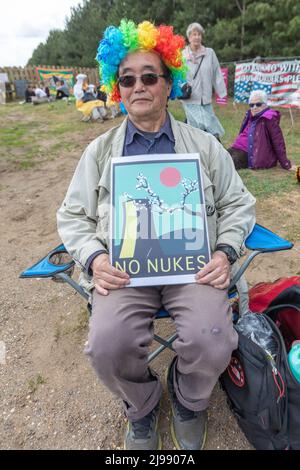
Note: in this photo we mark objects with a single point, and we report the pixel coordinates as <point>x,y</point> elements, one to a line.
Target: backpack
<point>262,295</point>
<point>262,392</point>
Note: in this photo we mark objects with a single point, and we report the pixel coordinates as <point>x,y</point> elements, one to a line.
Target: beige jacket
<point>83,218</point>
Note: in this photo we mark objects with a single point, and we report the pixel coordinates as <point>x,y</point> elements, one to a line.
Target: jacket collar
<point>267,113</point>
<point>118,141</point>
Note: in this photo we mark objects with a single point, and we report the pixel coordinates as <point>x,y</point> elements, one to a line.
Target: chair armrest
<point>260,240</point>
<point>264,240</point>
<point>55,262</point>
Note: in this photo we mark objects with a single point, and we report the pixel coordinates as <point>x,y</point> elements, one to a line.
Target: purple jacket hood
<point>268,114</point>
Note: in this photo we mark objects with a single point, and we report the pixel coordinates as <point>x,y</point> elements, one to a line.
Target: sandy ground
<point>50,396</point>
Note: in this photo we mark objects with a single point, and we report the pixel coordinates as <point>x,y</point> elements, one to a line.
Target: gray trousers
<point>121,329</point>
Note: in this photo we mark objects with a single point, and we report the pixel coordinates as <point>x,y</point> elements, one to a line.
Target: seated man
<point>260,143</point>
<point>148,74</point>
<point>46,89</point>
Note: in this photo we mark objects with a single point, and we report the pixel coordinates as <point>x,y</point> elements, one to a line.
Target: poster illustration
<point>158,226</point>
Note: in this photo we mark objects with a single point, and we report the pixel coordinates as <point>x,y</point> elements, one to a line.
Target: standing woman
<point>203,62</point>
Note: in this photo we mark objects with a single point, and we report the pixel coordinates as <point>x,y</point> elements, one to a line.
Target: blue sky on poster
<point>24,24</point>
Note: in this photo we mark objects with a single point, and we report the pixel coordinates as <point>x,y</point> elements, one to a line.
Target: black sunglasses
<point>257,105</point>
<point>148,79</point>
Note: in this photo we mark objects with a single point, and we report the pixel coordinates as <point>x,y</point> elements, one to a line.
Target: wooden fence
<point>30,74</point>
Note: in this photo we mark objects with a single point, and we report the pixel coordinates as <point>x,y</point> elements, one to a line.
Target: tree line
<point>235,29</point>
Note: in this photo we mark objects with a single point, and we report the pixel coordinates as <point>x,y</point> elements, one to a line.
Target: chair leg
<point>165,344</point>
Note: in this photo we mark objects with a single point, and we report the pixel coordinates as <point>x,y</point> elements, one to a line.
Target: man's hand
<point>216,273</point>
<point>106,277</point>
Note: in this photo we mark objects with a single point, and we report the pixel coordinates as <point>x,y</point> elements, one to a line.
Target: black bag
<point>186,91</point>
<point>264,395</point>
<point>186,88</point>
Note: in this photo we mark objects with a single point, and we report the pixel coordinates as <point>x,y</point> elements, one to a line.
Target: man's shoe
<point>143,434</point>
<point>188,428</point>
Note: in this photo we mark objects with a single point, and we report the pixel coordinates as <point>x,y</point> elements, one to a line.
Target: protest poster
<point>280,80</point>
<point>158,228</point>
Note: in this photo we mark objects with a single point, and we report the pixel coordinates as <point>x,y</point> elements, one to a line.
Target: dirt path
<point>50,397</point>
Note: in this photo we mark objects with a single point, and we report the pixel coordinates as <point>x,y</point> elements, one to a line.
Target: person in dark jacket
<point>46,89</point>
<point>260,143</point>
<point>29,93</point>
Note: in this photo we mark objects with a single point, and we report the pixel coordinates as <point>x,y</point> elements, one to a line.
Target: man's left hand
<point>216,273</point>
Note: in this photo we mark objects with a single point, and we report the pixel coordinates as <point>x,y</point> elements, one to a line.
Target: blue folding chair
<point>59,266</point>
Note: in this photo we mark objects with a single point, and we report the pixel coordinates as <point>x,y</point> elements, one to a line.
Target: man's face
<point>140,100</point>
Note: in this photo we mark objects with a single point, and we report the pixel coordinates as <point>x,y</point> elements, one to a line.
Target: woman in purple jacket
<point>260,143</point>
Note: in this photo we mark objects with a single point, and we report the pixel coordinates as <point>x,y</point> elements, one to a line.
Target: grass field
<point>30,135</point>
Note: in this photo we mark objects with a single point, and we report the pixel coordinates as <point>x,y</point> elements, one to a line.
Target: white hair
<point>259,94</point>
<point>193,26</point>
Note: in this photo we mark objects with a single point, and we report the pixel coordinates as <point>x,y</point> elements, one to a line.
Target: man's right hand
<point>106,277</point>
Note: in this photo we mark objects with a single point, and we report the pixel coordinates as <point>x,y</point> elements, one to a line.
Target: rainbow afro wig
<point>129,37</point>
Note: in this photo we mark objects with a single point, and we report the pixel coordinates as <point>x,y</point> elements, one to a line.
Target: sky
<point>26,23</point>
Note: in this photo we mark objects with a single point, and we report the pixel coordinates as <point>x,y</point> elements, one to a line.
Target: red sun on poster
<point>170,176</point>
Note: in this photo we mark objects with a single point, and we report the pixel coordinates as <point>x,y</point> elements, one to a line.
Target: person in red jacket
<point>260,143</point>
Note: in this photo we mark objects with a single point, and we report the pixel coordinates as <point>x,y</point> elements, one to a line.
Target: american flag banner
<point>280,80</point>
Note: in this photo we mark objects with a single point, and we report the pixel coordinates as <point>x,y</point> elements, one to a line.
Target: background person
<point>198,108</point>
<point>90,93</point>
<point>40,96</point>
<point>92,109</point>
<point>260,143</point>
<point>113,109</point>
<point>62,90</point>
<point>29,93</point>
<point>46,89</point>
<point>101,95</point>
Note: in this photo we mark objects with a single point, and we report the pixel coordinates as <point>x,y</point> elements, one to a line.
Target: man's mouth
<point>140,99</point>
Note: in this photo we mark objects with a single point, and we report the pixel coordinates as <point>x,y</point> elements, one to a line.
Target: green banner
<point>51,76</point>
